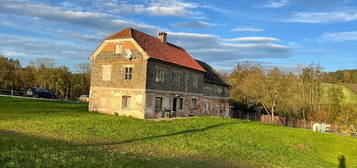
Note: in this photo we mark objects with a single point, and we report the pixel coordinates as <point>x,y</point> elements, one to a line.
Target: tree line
<point>304,95</point>
<point>341,76</point>
<point>43,73</point>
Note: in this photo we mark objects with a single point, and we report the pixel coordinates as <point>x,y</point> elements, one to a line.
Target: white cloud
<point>195,24</point>
<point>150,7</point>
<point>276,3</point>
<point>93,26</point>
<point>253,39</point>
<point>212,48</point>
<point>324,17</point>
<point>340,36</point>
<point>99,21</point>
<point>258,45</point>
<point>247,29</point>
<point>32,47</point>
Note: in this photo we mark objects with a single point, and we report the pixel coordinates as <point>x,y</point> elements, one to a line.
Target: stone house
<point>135,74</point>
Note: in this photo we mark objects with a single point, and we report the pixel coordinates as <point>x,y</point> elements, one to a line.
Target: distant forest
<point>341,76</point>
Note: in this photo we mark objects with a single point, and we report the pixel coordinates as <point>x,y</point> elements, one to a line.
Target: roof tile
<point>156,49</point>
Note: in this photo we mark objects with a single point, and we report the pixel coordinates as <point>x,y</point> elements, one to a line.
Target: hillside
<point>351,86</point>
<point>36,133</point>
<point>350,96</point>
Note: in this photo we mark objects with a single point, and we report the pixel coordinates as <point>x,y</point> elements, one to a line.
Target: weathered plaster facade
<point>152,82</point>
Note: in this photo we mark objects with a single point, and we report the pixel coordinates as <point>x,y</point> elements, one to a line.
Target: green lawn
<point>37,133</point>
<point>350,96</point>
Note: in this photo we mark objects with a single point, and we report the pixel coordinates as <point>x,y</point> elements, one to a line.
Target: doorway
<point>174,107</point>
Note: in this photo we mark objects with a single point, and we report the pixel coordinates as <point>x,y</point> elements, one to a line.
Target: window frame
<point>127,104</point>
<point>161,100</point>
<point>180,103</point>
<point>176,77</point>
<point>118,49</point>
<point>159,75</point>
<point>205,105</point>
<point>195,81</point>
<point>127,75</point>
<point>194,105</point>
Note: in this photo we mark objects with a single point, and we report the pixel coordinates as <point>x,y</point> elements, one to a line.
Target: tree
<point>334,101</point>
<point>310,90</point>
<point>273,92</point>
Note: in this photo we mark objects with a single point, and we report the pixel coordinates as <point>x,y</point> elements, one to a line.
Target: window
<point>221,108</point>
<point>194,104</point>
<point>180,103</point>
<point>118,49</point>
<point>176,78</point>
<point>160,76</point>
<point>128,73</point>
<point>219,90</point>
<point>125,102</point>
<point>206,105</point>
<point>106,72</point>
<point>158,103</point>
<point>195,81</point>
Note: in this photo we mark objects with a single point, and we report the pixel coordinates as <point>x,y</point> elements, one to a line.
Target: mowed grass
<point>38,133</point>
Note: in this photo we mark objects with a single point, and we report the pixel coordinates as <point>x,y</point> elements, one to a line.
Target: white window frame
<point>205,105</point>
<point>176,78</point>
<point>159,75</point>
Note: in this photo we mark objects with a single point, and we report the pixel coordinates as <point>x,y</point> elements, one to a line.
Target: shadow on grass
<point>165,135</point>
<point>21,150</point>
<point>342,161</point>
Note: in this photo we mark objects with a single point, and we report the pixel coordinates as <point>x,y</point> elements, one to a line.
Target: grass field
<point>351,86</point>
<point>349,92</point>
<point>36,133</point>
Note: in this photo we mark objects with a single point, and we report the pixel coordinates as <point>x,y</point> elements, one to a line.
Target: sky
<point>288,34</point>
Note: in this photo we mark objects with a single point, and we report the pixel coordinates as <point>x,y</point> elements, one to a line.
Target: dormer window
<point>118,49</point>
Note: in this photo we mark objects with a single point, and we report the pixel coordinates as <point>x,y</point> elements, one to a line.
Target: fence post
<point>248,116</point>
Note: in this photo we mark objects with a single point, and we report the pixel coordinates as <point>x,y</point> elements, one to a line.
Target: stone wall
<point>106,95</point>
<point>210,89</point>
<point>186,78</point>
<point>217,106</point>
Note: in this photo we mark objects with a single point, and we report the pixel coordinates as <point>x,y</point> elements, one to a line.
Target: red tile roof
<point>158,50</point>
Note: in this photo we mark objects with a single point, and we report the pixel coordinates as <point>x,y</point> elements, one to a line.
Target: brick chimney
<point>163,37</point>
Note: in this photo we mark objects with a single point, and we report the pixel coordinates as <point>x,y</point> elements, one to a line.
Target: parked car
<point>84,98</point>
<point>40,93</point>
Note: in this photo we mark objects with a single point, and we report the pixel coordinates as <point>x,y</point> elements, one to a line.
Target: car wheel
<point>36,96</point>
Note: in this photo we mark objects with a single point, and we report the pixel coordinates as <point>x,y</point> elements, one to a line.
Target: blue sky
<point>288,34</point>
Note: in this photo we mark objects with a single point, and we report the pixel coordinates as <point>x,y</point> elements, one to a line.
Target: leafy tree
<point>334,101</point>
